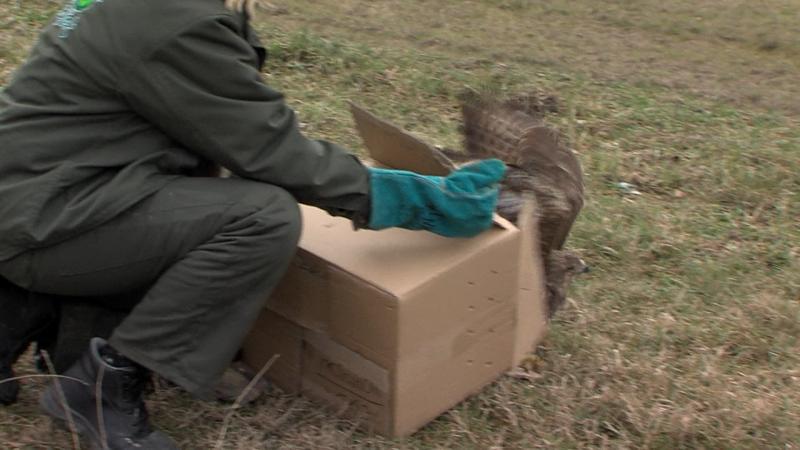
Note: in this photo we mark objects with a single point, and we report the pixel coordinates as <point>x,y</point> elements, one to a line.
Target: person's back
<point>74,150</point>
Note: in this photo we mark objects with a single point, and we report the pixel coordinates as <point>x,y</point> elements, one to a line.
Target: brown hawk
<point>539,163</point>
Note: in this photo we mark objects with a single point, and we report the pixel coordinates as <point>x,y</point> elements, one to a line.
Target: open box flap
<point>394,148</point>
<point>531,308</point>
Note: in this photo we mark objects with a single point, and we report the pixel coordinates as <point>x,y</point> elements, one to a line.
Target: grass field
<point>687,332</point>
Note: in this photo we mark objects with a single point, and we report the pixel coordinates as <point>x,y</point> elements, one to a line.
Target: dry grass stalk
<point>73,430</point>
<point>226,423</point>
<point>98,395</point>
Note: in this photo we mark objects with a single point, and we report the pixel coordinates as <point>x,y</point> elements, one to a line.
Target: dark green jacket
<point>121,96</point>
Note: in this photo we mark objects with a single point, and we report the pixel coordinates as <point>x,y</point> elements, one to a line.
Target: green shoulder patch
<point>67,19</point>
<point>83,4</point>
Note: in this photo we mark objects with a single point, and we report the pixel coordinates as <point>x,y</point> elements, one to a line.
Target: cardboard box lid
<point>396,149</point>
<point>395,260</point>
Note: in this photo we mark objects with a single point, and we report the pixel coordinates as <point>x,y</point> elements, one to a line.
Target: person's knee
<point>264,220</point>
<point>280,221</point>
<point>286,212</point>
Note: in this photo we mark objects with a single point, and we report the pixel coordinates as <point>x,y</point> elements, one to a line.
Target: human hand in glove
<point>459,205</point>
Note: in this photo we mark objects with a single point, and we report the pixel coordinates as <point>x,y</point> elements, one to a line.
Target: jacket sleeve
<point>203,89</point>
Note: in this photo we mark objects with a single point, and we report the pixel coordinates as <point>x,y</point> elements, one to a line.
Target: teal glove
<point>459,205</point>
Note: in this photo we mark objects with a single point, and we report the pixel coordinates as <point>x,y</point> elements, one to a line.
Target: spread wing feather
<point>513,130</point>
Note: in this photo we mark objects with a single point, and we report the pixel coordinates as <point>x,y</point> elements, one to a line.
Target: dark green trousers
<point>207,251</point>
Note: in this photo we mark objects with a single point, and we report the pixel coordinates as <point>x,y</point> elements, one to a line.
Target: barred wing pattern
<point>540,163</point>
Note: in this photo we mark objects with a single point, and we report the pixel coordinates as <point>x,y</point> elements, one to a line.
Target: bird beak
<point>586,269</point>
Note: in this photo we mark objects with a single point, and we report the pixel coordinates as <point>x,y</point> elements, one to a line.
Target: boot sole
<point>51,406</point>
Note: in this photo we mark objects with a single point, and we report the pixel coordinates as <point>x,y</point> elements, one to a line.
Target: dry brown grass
<point>686,334</point>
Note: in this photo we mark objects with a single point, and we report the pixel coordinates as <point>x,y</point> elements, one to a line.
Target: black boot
<point>125,423</point>
<point>81,319</point>
<point>24,318</point>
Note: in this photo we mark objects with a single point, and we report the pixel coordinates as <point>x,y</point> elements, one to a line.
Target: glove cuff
<point>393,199</point>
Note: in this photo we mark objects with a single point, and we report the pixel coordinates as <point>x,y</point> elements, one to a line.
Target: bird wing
<point>514,131</point>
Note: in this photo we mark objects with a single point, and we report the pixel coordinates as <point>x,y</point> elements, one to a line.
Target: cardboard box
<point>274,335</point>
<point>396,327</point>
